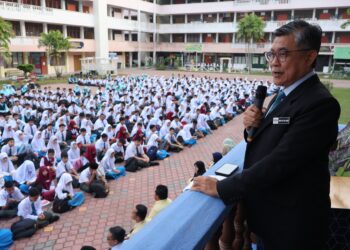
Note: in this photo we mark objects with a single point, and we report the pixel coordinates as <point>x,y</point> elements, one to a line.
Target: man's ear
<point>312,55</point>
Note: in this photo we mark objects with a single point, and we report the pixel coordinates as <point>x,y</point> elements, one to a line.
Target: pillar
<point>64,29</point>
<point>101,30</point>
<point>23,28</point>
<point>130,59</point>
<point>45,30</point>
<point>63,4</point>
<point>82,36</point>
<point>314,14</point>
<point>43,3</point>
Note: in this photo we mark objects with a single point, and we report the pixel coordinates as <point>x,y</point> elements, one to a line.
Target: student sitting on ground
<point>173,144</point>
<point>139,214</point>
<point>118,148</point>
<point>45,181</point>
<point>135,158</point>
<point>162,201</point>
<point>108,164</point>
<point>48,160</point>
<point>66,167</point>
<point>91,182</point>
<point>31,208</point>
<point>11,150</point>
<point>6,166</point>
<point>116,237</point>
<point>65,198</point>
<point>25,176</point>
<point>10,197</point>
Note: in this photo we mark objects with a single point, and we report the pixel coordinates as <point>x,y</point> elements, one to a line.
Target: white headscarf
<point>108,161</point>
<point>106,131</point>
<point>8,133</point>
<point>165,129</point>
<point>38,142</point>
<point>64,184</point>
<point>185,132</point>
<point>54,146</point>
<point>25,172</point>
<point>7,167</point>
<point>73,153</point>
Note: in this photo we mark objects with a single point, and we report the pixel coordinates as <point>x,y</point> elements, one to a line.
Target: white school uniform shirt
<point>99,124</point>
<point>152,141</point>
<point>131,151</point>
<point>100,145</point>
<point>28,131</point>
<point>61,168</point>
<point>80,139</point>
<point>59,136</point>
<point>25,209</point>
<point>4,196</point>
<point>6,149</point>
<point>85,175</point>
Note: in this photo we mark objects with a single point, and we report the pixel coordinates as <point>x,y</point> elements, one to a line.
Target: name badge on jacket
<point>281,120</point>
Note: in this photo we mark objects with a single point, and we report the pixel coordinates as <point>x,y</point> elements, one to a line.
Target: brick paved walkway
<point>88,224</point>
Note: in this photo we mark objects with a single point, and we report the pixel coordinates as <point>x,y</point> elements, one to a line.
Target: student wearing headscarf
<point>72,130</point>
<point>6,166</point>
<point>53,144</point>
<point>108,164</point>
<point>184,136</point>
<point>64,191</point>
<point>45,182</point>
<point>38,144</point>
<point>73,152</point>
<point>25,175</point>
<point>216,157</point>
<point>8,133</point>
<point>228,144</point>
<point>164,129</point>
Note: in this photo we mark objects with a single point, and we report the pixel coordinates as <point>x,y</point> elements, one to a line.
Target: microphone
<point>260,96</point>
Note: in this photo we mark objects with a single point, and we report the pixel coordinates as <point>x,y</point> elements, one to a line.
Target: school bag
<point>60,206</point>
<point>23,228</point>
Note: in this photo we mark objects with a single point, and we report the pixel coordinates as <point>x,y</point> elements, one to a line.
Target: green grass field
<point>343,97</point>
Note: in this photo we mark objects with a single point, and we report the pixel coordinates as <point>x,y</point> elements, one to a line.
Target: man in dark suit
<point>285,182</point>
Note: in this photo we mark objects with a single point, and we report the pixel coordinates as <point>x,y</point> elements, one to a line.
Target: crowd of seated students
<point>53,138</point>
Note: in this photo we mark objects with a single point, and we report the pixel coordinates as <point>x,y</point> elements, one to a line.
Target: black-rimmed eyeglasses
<point>281,54</point>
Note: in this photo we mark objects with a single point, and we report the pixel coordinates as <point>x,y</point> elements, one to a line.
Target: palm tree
<point>343,26</point>
<point>6,33</point>
<point>250,29</point>
<point>55,44</point>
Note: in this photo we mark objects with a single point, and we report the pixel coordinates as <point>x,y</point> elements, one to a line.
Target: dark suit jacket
<point>285,181</point>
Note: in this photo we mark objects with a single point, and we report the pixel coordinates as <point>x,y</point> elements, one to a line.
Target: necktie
<point>31,130</point>
<point>62,137</point>
<point>278,100</point>
<point>10,195</point>
<point>137,151</point>
<point>65,166</point>
<point>10,152</point>
<point>84,140</point>
<point>104,145</point>
<point>33,209</point>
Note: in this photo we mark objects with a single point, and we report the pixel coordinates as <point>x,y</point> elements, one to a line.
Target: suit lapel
<point>286,103</point>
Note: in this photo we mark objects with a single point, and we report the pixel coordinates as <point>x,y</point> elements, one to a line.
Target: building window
<point>16,27</point>
<point>53,4</point>
<point>15,60</point>
<point>193,38</point>
<point>31,2</point>
<point>89,33</point>
<point>73,32</point>
<point>178,38</point>
<point>33,29</point>
<point>51,27</point>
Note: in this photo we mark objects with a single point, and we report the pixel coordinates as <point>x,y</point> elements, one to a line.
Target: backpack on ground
<point>23,228</point>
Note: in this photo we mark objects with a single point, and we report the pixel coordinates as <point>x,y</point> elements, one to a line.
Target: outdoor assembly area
<point>54,138</point>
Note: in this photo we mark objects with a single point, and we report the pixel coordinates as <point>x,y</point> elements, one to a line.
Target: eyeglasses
<point>281,54</point>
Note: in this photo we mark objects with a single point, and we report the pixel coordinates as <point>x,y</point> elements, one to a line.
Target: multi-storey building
<point>143,32</point>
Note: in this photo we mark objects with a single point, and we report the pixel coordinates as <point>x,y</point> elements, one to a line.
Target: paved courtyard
<point>88,224</point>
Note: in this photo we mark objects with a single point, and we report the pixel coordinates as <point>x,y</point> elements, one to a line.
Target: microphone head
<point>261,92</point>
